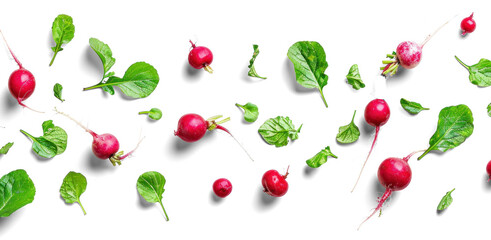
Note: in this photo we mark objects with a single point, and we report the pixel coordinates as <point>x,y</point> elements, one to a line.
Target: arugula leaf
<point>154,113</point>
<point>412,107</point>
<point>446,201</point>
<point>104,53</point>
<point>251,111</point>
<point>277,131</point>
<point>479,73</point>
<point>252,69</point>
<point>57,89</point>
<point>354,77</point>
<point>150,185</point>
<point>139,81</point>
<point>348,133</point>
<point>16,191</point>
<point>74,184</point>
<point>5,149</point>
<point>320,158</point>
<point>63,31</point>
<point>52,143</point>
<point>309,61</point>
<point>455,125</point>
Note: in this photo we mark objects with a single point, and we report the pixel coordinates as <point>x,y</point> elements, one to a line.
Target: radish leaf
<point>252,69</point>
<point>150,185</point>
<point>63,31</point>
<point>16,191</point>
<point>5,149</point>
<point>154,113</point>
<point>276,131</point>
<point>348,133</point>
<point>74,184</point>
<point>412,107</point>
<point>52,143</point>
<point>479,73</point>
<point>354,77</point>
<point>251,112</point>
<point>57,89</point>
<point>446,201</point>
<point>320,158</point>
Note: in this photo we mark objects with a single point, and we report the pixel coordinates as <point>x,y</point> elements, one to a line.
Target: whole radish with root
<point>200,57</point>
<point>104,146</point>
<point>408,55</point>
<point>377,113</point>
<point>274,183</point>
<point>468,25</point>
<point>21,82</point>
<point>192,127</point>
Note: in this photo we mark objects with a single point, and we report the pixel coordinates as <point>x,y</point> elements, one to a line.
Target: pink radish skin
<point>200,57</point>
<point>488,170</point>
<point>274,183</point>
<point>377,113</point>
<point>468,25</point>
<point>222,187</point>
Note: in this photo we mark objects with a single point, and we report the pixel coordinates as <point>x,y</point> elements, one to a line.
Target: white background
<point>319,204</point>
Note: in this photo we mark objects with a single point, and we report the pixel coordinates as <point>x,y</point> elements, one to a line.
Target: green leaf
<point>479,73</point>
<point>354,77</point>
<point>252,69</point>
<point>63,31</point>
<point>412,107</point>
<point>5,149</point>
<point>104,53</point>
<point>139,81</point>
<point>16,191</point>
<point>57,89</point>
<point>455,125</point>
<point>154,113</point>
<point>52,143</point>
<point>320,158</point>
<point>150,185</point>
<point>309,61</point>
<point>276,131</point>
<point>446,201</point>
<point>489,109</point>
<point>74,184</point>
<point>41,146</point>
<point>348,133</point>
<point>251,111</point>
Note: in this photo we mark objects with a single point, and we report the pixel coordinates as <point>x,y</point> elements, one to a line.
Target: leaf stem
<point>462,63</point>
<point>54,56</point>
<point>424,154</point>
<point>323,98</point>
<point>80,203</point>
<point>27,134</point>
<point>166,217</point>
<point>144,112</point>
<point>353,119</point>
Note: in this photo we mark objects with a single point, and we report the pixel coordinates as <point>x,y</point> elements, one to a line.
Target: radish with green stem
<point>200,57</point>
<point>104,146</point>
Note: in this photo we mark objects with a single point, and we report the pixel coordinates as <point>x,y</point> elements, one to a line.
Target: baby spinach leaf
<point>150,185</point>
<point>320,158</point>
<point>309,61</point>
<point>16,191</point>
<point>348,133</point>
<point>251,112</point>
<point>154,113</point>
<point>354,78</point>
<point>455,125</point>
<point>479,73</point>
<point>277,131</point>
<point>252,69</point>
<point>74,184</point>
<point>5,149</point>
<point>446,201</point>
<point>63,31</point>
<point>52,143</point>
<point>57,89</point>
<point>412,107</point>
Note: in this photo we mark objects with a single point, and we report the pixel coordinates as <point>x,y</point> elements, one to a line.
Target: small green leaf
<point>5,149</point>
<point>41,146</point>
<point>52,143</point>
<point>104,53</point>
<point>154,113</point>
<point>479,73</point>
<point>150,185</point>
<point>354,78</point>
<point>276,131</point>
<point>309,61</point>
<point>57,89</point>
<point>489,109</point>
<point>63,31</point>
<point>74,184</point>
<point>252,69</point>
<point>412,107</point>
<point>320,158</point>
<point>251,111</point>
<point>348,133</point>
<point>455,125</point>
<point>446,201</point>
<point>16,191</point>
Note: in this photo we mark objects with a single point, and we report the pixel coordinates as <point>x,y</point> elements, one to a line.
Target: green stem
<point>388,61</point>
<point>424,154</point>
<point>463,64</point>
<point>353,116</point>
<point>144,112</point>
<point>27,134</point>
<point>323,98</point>
<point>167,217</point>
<point>54,56</point>
<point>80,203</point>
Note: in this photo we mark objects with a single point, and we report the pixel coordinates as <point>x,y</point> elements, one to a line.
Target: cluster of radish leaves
<point>16,191</point>
<point>74,184</point>
<point>63,32</point>
<point>139,80</point>
<point>52,143</point>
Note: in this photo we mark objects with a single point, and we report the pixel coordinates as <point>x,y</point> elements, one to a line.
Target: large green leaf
<point>63,31</point>
<point>41,146</point>
<point>455,125</point>
<point>320,158</point>
<point>74,184</point>
<point>309,61</point>
<point>16,191</point>
<point>479,73</point>
<point>276,131</point>
<point>150,185</point>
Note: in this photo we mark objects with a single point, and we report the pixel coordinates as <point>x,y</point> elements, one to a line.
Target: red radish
<point>468,25</point>
<point>192,127</point>
<point>377,113</point>
<point>222,187</point>
<point>408,55</point>
<point>488,170</point>
<point>394,174</point>
<point>274,183</point>
<point>104,146</point>
<point>200,57</point>
<point>21,81</point>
